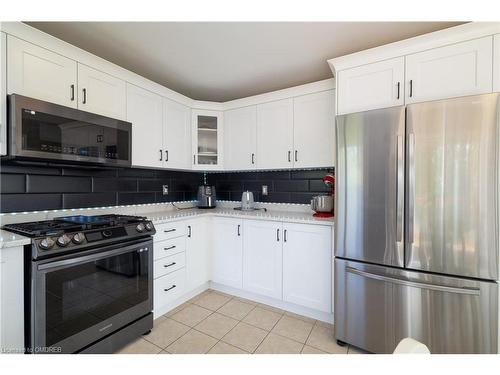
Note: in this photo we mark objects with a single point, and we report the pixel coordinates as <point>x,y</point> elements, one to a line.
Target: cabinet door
<point>144,111</point>
<point>227,259</point>
<point>101,93</point>
<point>262,258</point>
<point>197,253</point>
<point>371,86</point>
<point>307,265</point>
<point>207,139</point>
<point>275,134</point>
<point>41,74</point>
<point>496,63</point>
<point>457,70</point>
<point>314,130</point>
<point>3,93</point>
<point>240,138</point>
<point>177,135</point>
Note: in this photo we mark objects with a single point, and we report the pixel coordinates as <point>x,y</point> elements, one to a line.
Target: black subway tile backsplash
<point>45,186</point>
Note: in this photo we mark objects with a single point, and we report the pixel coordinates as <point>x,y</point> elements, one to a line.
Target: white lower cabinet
<point>167,289</point>
<point>197,253</point>
<point>227,256</point>
<point>262,258</point>
<point>307,265</point>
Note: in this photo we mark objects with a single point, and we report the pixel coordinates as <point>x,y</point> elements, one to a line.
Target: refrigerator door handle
<point>416,284</point>
<point>399,190</point>
<point>411,190</point>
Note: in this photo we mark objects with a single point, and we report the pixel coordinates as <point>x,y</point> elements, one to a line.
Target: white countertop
<point>159,213</point>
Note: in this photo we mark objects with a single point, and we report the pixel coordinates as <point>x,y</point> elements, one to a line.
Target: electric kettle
<point>247,202</point>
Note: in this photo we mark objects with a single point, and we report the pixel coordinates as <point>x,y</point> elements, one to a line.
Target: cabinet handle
<point>169,230</point>
<point>253,158</point>
<point>289,156</point>
<point>278,235</point>
<point>411,88</point>
<point>284,235</point>
<point>84,101</point>
<point>239,233</point>
<point>172,287</point>
<point>170,247</point>
<point>194,159</point>
<point>166,155</point>
<point>72,92</point>
<point>189,230</point>
<point>296,155</point>
<point>169,265</point>
<point>399,84</point>
<point>161,155</point>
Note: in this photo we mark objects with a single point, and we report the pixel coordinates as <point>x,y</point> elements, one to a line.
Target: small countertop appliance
<point>323,204</point>
<point>206,196</point>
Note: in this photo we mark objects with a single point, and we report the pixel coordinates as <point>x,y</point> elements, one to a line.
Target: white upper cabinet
<point>262,258</point>
<point>275,134</point>
<point>207,140</point>
<point>376,85</point>
<point>176,135</point>
<point>3,93</point>
<point>101,93</point>
<point>456,70</point>
<point>41,74</point>
<point>144,111</point>
<point>496,63</point>
<point>240,138</point>
<point>307,266</point>
<point>227,257</point>
<point>314,130</point>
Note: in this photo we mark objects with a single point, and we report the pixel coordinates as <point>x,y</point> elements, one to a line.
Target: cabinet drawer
<point>169,264</point>
<point>168,288</point>
<point>169,247</point>
<point>166,231</point>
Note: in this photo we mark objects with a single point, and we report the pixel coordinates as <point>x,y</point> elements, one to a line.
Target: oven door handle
<point>138,247</point>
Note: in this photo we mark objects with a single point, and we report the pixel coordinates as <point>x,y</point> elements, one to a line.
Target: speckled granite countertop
<point>9,239</point>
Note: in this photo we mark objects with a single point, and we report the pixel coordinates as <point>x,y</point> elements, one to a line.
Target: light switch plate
<point>264,189</point>
<point>165,189</point>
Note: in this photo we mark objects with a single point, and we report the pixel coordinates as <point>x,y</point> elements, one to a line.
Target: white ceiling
<point>221,61</point>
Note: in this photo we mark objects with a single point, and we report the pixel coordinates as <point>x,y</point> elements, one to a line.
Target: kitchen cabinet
<point>371,86</point>
<point>227,257</point>
<point>207,139</point>
<point>307,265</point>
<point>3,94</point>
<point>314,130</point>
<point>496,63</point>
<point>275,134</point>
<point>11,299</point>
<point>197,253</point>
<point>262,257</point>
<point>240,138</point>
<point>144,111</point>
<point>36,72</point>
<point>456,70</point>
<point>101,93</point>
<point>176,135</point>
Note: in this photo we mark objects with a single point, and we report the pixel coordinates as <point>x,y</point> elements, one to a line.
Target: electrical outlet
<point>264,189</point>
<point>165,189</point>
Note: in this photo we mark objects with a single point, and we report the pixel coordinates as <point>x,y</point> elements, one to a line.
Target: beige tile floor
<point>218,323</point>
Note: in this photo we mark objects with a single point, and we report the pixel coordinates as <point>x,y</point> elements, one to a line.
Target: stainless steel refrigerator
<point>417,226</point>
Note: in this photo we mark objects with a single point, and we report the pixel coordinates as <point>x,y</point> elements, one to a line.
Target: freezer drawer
<point>448,314</point>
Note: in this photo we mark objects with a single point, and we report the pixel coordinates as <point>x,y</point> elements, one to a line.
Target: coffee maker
<point>206,196</point>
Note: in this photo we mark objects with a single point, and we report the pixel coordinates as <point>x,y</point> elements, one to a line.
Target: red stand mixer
<point>323,204</point>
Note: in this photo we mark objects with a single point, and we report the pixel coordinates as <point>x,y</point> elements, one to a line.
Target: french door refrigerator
<point>417,225</point>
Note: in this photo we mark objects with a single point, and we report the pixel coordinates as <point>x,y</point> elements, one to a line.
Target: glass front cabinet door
<point>207,140</point>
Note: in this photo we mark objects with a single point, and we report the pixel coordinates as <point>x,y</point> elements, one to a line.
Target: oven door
<point>42,130</point>
<point>79,300</point>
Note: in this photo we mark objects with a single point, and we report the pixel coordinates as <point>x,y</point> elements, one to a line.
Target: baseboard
<point>287,306</point>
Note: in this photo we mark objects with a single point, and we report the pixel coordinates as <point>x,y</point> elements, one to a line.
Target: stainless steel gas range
<point>88,282</point>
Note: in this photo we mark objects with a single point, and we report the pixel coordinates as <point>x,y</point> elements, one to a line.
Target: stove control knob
<point>140,228</point>
<point>64,240</point>
<point>78,238</point>
<point>46,243</point>
<point>149,227</point>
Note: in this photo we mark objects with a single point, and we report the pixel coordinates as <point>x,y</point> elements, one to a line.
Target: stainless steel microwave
<point>52,132</point>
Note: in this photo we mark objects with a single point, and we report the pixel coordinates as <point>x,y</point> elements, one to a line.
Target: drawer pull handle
<point>172,287</point>
<point>168,265</point>
<point>169,230</point>
<point>170,247</point>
